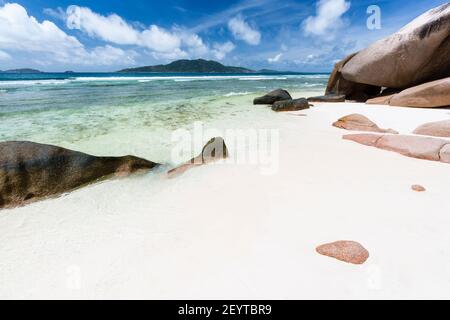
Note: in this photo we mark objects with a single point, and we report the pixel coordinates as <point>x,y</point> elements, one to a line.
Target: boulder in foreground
<point>214,150</point>
<point>358,122</point>
<point>346,251</point>
<point>291,105</point>
<point>428,95</point>
<point>435,129</point>
<point>328,98</point>
<point>416,54</point>
<point>30,171</point>
<point>272,97</point>
<point>426,148</point>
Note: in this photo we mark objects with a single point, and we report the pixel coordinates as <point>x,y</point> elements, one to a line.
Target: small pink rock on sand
<point>347,251</point>
<point>418,188</point>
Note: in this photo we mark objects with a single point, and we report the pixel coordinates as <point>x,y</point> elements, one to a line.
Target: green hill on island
<point>21,71</point>
<point>190,66</point>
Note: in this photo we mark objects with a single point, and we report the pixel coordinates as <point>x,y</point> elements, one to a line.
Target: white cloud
<point>241,30</point>
<point>111,28</point>
<point>159,40</point>
<point>57,13</point>
<point>114,29</point>
<point>275,59</point>
<point>162,44</point>
<point>220,50</point>
<point>4,55</point>
<point>328,18</point>
<point>23,33</point>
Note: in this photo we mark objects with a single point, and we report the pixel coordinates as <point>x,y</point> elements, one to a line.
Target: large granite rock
<point>426,148</point>
<point>358,122</point>
<point>428,95</point>
<point>214,150</point>
<point>346,251</point>
<point>436,129</point>
<point>339,86</point>
<point>31,171</point>
<point>272,97</point>
<point>416,54</point>
<point>411,146</point>
<point>291,105</point>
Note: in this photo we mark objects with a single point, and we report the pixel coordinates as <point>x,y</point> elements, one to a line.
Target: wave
<point>232,94</point>
<point>262,78</point>
<point>144,79</point>
<point>33,82</point>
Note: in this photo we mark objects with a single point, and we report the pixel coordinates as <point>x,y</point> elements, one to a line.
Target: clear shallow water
<point>116,114</point>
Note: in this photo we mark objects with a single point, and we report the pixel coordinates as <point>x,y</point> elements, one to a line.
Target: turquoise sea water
<point>113,114</point>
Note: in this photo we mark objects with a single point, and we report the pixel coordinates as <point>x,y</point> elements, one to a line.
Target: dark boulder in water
<point>291,105</point>
<point>272,97</point>
<point>31,171</point>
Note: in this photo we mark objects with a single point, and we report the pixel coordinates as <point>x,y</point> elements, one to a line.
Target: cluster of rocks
<point>410,68</point>
<point>281,100</point>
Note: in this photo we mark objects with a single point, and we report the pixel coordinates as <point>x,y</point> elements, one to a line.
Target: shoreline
<point>126,238</point>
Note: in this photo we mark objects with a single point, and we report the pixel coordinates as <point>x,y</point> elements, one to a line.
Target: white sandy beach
<point>228,232</point>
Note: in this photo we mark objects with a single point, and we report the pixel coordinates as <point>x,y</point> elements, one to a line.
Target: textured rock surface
<point>31,171</point>
<point>367,139</point>
<point>337,85</point>
<point>347,251</point>
<point>419,147</point>
<point>291,105</point>
<point>416,54</point>
<point>358,122</point>
<point>436,129</point>
<point>328,98</point>
<point>445,153</point>
<point>428,95</point>
<point>383,100</point>
<point>412,146</point>
<point>418,188</point>
<point>214,150</point>
<point>272,97</point>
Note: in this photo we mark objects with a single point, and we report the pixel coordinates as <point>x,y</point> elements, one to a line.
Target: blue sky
<point>100,35</point>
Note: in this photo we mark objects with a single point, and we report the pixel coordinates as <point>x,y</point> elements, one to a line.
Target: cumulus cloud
<point>241,30</point>
<point>111,28</point>
<point>328,18</point>
<point>23,33</point>
<point>162,44</point>
<point>275,59</point>
<point>220,50</point>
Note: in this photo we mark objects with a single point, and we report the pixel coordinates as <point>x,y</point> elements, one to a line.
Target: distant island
<point>190,66</point>
<point>22,71</point>
<point>179,66</point>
